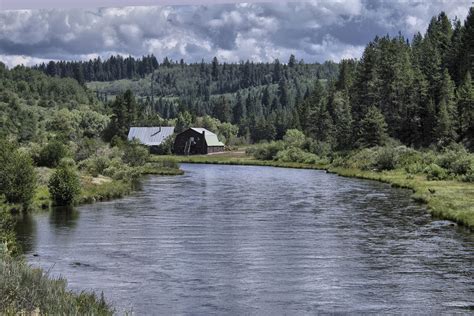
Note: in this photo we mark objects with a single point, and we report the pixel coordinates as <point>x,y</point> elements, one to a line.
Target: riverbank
<point>450,200</point>
<point>24,289</point>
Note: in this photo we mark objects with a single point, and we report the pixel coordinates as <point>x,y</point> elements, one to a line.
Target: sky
<point>33,31</point>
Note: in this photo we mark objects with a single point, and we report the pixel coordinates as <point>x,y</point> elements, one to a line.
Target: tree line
<point>419,93</point>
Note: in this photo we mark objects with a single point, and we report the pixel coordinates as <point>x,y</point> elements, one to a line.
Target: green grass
<point>452,200</point>
<point>27,291</point>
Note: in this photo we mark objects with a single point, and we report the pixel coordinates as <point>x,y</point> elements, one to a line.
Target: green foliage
<point>386,159</point>
<point>64,185</point>
<point>183,122</point>
<point>8,244</point>
<point>456,160</point>
<point>294,138</point>
<point>165,148</point>
<point>17,174</point>
<point>25,290</point>
<point>295,154</point>
<point>135,154</point>
<point>266,151</point>
<point>373,130</point>
<point>125,114</point>
<point>435,172</point>
<point>51,154</point>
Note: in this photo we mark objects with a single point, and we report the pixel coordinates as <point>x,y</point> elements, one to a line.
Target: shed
<point>195,141</point>
<point>150,136</point>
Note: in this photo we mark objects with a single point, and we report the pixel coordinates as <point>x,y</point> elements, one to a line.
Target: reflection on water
<point>63,217</point>
<point>259,240</point>
<point>26,230</point>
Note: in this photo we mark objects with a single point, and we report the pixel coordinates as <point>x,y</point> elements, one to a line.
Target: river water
<point>258,240</point>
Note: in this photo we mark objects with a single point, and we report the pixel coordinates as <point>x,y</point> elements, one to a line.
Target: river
<point>258,240</point>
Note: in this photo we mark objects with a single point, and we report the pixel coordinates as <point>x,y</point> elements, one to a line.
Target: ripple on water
<point>259,240</point>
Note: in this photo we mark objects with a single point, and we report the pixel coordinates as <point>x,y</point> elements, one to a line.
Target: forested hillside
<point>417,91</point>
<point>243,94</point>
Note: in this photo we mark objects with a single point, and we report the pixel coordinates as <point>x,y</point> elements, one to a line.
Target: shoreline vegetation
<point>58,181</point>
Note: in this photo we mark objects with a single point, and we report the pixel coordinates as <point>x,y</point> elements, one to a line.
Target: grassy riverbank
<point>447,199</point>
<point>28,290</point>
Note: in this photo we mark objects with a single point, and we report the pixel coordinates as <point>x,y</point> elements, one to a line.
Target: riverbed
<point>258,240</point>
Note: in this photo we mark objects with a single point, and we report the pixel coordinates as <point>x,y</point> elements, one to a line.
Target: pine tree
<point>343,132</point>
<point>283,93</point>
<point>465,105</point>
<point>373,130</point>
<point>215,69</point>
<point>446,116</point>
<point>239,110</point>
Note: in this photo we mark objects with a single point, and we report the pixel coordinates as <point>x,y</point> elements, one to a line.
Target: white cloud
<point>315,30</point>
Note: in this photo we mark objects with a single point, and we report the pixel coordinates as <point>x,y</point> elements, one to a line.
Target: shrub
<point>165,148</point>
<point>87,147</point>
<point>435,172</point>
<point>321,149</point>
<point>469,177</point>
<point>456,159</point>
<point>294,154</point>
<point>135,154</point>
<point>386,158</point>
<point>95,165</point>
<point>294,138</point>
<point>362,159</point>
<point>266,151</point>
<point>18,177</point>
<point>8,243</point>
<point>51,154</point>
<point>64,186</point>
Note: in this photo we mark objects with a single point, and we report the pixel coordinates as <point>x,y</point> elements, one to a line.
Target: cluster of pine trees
<point>114,68</point>
<point>420,92</point>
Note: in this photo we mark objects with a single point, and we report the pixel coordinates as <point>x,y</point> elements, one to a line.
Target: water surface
<point>258,240</point>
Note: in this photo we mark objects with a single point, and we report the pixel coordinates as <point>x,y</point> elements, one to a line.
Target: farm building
<point>151,136</point>
<point>197,141</point>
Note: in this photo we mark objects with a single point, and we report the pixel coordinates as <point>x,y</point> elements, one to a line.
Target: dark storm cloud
<point>313,30</point>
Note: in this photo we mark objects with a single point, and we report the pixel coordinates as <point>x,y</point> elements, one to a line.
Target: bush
<point>18,177</point>
<point>456,160</point>
<point>435,172</point>
<point>294,154</point>
<point>266,151</point>
<point>51,154</point>
<point>386,158</point>
<point>294,138</point>
<point>362,159</point>
<point>135,154</point>
<point>165,148</point>
<point>8,243</point>
<point>321,149</point>
<point>64,186</point>
<point>95,165</point>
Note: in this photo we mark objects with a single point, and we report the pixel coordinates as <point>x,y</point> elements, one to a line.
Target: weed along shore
<point>447,199</point>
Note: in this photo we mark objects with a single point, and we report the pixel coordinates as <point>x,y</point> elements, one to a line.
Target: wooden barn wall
<point>182,138</point>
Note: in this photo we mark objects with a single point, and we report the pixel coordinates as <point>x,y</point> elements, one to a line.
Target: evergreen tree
<point>215,69</point>
<point>222,110</point>
<point>343,132</point>
<point>373,130</point>
<point>465,105</point>
<point>240,110</point>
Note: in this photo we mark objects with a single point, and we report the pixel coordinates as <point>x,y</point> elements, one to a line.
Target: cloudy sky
<point>313,30</point>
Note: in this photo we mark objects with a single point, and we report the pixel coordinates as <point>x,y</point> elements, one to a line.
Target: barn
<point>197,141</point>
<point>151,136</point>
